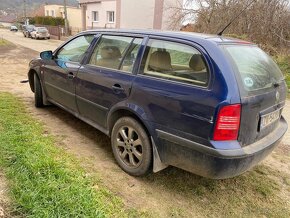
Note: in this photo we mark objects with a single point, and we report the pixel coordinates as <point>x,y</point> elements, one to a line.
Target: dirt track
<point>162,194</point>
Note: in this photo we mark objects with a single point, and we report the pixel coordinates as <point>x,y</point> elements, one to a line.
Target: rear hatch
<point>262,89</point>
<point>42,31</point>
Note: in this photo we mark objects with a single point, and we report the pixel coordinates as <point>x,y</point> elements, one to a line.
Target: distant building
<point>133,14</point>
<point>7,20</point>
<point>39,12</point>
<point>73,15</point>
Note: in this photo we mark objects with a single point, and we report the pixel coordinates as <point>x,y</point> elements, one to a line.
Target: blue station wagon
<point>207,104</point>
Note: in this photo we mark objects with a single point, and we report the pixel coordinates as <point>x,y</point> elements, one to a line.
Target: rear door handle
<point>117,88</point>
<point>70,75</point>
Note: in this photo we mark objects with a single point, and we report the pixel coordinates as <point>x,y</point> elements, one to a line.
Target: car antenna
<point>221,32</point>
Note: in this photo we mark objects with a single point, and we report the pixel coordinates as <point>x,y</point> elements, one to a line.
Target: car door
<point>107,77</point>
<point>173,86</point>
<point>59,73</point>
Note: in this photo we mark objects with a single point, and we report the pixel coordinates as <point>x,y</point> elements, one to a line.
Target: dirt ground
<point>155,193</point>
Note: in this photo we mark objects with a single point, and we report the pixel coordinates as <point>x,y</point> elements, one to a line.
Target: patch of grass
<point>253,194</point>
<point>176,212</point>
<point>283,62</point>
<point>4,42</point>
<point>44,180</point>
<point>242,37</point>
<point>287,181</point>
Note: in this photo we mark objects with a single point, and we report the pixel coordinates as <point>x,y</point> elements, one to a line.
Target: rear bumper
<point>42,36</point>
<point>217,163</point>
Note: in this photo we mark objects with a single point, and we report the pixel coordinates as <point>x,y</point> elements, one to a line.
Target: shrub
<point>50,21</point>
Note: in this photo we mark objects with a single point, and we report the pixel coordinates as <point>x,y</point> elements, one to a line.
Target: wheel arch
<point>31,78</point>
<point>126,112</point>
<point>31,74</point>
<point>157,163</point>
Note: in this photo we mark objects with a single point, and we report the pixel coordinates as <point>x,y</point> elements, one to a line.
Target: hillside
<point>17,6</point>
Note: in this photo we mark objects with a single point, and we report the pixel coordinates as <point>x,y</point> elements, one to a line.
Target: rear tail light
<point>228,123</point>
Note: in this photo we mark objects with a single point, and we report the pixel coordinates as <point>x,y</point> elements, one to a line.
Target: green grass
<point>283,62</point>
<point>253,194</point>
<point>44,180</point>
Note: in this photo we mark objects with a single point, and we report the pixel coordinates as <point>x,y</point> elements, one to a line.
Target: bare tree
<point>266,22</point>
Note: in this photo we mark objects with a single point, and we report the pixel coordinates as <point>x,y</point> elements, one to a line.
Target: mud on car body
<point>208,104</point>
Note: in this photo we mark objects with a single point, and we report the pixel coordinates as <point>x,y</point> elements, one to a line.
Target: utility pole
<point>65,18</point>
<point>25,17</point>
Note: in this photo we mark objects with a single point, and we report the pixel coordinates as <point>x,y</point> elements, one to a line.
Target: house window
<point>95,16</point>
<point>52,13</point>
<point>47,12</point>
<point>111,16</point>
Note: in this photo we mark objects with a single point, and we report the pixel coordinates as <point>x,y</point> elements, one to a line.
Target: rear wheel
<point>38,99</point>
<point>131,147</point>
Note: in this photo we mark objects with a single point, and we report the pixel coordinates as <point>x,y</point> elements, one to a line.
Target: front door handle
<point>70,75</point>
<point>117,88</point>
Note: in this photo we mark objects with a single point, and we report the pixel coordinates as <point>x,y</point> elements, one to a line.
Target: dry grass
<point>4,42</point>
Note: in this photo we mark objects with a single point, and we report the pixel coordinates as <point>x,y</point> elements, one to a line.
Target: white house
<point>133,14</point>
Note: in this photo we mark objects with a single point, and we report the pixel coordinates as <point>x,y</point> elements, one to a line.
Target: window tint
<point>110,51</point>
<point>131,55</point>
<point>175,61</point>
<point>75,50</point>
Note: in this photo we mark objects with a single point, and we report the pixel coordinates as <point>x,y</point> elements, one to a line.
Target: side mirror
<point>46,55</point>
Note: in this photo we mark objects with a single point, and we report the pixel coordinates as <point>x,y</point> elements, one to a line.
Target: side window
<point>131,55</point>
<point>75,50</point>
<point>110,51</point>
<point>175,61</point>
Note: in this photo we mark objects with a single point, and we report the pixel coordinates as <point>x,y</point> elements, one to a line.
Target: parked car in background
<point>14,28</point>
<point>40,33</point>
<point>208,104</point>
<point>27,29</point>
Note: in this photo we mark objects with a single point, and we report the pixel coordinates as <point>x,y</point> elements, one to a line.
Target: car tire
<point>38,98</point>
<point>131,147</point>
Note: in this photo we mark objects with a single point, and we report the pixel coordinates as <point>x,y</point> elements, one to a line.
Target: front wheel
<point>131,147</point>
<point>38,99</point>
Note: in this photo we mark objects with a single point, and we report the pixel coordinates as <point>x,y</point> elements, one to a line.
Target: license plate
<point>270,118</point>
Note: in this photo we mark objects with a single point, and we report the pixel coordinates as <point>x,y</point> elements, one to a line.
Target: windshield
<point>256,68</point>
<point>29,28</point>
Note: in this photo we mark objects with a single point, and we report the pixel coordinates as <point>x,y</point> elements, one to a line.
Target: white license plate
<point>270,118</point>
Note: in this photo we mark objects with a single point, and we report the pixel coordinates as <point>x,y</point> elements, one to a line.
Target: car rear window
<point>256,68</point>
<point>41,30</point>
<point>29,27</point>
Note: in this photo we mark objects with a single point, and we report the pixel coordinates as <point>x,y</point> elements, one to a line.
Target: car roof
<point>176,34</point>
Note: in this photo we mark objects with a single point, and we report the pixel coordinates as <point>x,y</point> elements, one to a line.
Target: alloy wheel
<point>129,146</point>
